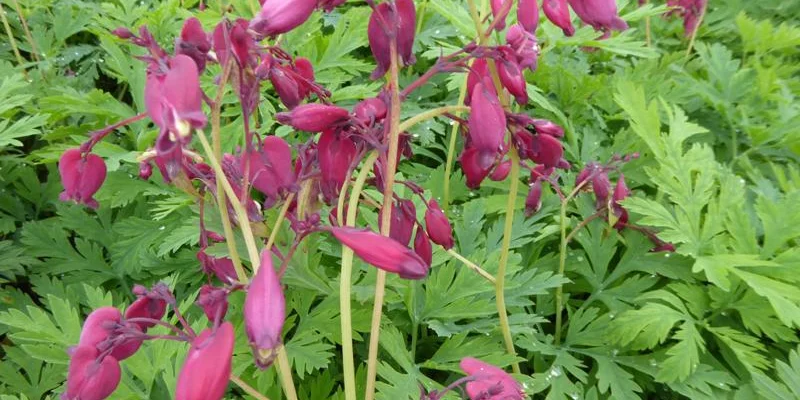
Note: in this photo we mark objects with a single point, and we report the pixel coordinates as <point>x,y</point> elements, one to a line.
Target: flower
<point>265,312</point>
<point>487,120</point>
<point>90,378</point>
<point>270,168</point>
<point>213,301</point>
<point>489,382</point>
<point>207,368</point>
<point>600,14</point>
<point>438,226</point>
<point>221,267</point>
<point>313,117</point>
<point>404,216</point>
<point>511,77</point>
<point>476,166</point>
<point>621,192</point>
<point>81,177</point>
<point>402,24</point>
<point>501,171</point>
<point>533,203</point>
<point>336,154</point>
<point>193,42</point>
<point>528,14</point>
<point>500,9</point>
<point>525,46</point>
<point>281,16</point>
<point>558,13</point>
<point>147,306</point>
<point>382,252</point>
<point>422,246</point>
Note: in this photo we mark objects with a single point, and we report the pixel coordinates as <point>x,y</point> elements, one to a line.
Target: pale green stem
<point>473,266</point>
<point>500,279</point>
<point>278,221</point>
<point>696,28</point>
<point>407,124</point>
<point>386,218</point>
<point>12,41</point>
<point>345,283</point>
<point>562,261</point>
<point>247,388</point>
<point>285,373</point>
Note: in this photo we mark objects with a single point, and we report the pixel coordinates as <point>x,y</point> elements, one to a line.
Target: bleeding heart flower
<point>500,9</point>
<point>558,13</point>
<point>490,382</point>
<point>336,154</point>
<point>501,171</point>
<point>422,246</point>
<point>528,15</point>
<point>90,378</point>
<point>221,267</point>
<point>265,312</point>
<point>487,119</point>
<point>600,14</point>
<point>404,216</point>
<point>314,117</point>
<point>147,306</point>
<point>81,177</point>
<point>438,226</point>
<point>213,301</point>
<point>533,203</point>
<point>193,42</point>
<point>270,168</point>
<point>281,16</point>
<point>382,252</point>
<point>476,165</point>
<point>402,24</point>
<point>207,368</point>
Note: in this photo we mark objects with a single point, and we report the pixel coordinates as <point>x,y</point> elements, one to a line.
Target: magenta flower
<point>422,246</point>
<point>601,186</point>
<point>558,13</point>
<point>193,42</point>
<point>525,46</point>
<point>528,14</point>
<point>81,177</point>
<point>336,154</point>
<point>548,128</point>
<point>173,99</point>
<point>98,326</point>
<point>402,19</point>
<point>222,267</point>
<point>313,117</point>
<point>90,378</point>
<point>476,165</point>
<point>500,9</point>
<point>286,86</point>
<point>270,168</point>
<point>533,203</point>
<point>438,226</point>
<point>213,301</point>
<point>621,192</point>
<point>404,216</point>
<point>600,14</point>
<point>382,252</point>
<point>147,306</point>
<point>512,78</point>
<point>501,171</point>
<point>690,10</point>
<point>477,72</point>
<point>265,312</point>
<point>207,368</point>
<point>487,120</point>
<point>490,382</point>
<point>281,16</point>
<point>546,150</point>
<point>370,110</point>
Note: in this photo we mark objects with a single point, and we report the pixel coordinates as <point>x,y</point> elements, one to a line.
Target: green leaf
<point>683,357</point>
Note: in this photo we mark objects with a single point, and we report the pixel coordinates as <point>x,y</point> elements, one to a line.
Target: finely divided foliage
<point>315,199</point>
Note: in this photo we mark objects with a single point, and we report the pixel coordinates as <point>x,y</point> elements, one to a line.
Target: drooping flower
<point>422,246</point>
<point>221,267</point>
<point>146,306</point>
<point>528,14</point>
<point>81,177</point>
<point>265,312</point>
<point>476,165</point>
<point>404,216</point>
<point>370,110</point>
<point>600,14</point>
<point>336,154</point>
<point>690,10</point>
<point>287,87</point>
<point>558,13</point>
<point>98,325</point>
<point>621,192</point>
<point>90,378</point>
<point>382,252</point>
<point>490,382</point>
<point>281,16</point>
<point>402,23</point>
<point>207,368</point>
<point>193,42</point>
<point>501,171</point>
<point>438,226</point>
<point>477,72</point>
<point>533,202</point>
<point>313,117</point>
<point>525,46</point>
<point>548,127</point>
<point>270,168</point>
<point>512,78</point>
<point>500,9</point>
<point>213,301</point>
<point>487,119</point>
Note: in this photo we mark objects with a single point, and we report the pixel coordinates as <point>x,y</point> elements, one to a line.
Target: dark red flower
<point>476,165</point>
<point>336,154</point>
<point>193,42</point>
<point>382,252</point>
<point>438,226</point>
<point>422,246</point>
<point>558,13</point>
<point>81,177</point>
<point>281,16</point>
<point>213,301</point>
<point>402,23</point>
<point>313,117</point>
<point>487,119</point>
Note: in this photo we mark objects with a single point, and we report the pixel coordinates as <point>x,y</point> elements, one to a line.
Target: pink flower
<point>286,86</point>
<point>281,16</point>
<point>313,117</point>
<point>213,301</point>
<point>487,120</point>
<point>600,14</point>
<point>382,252</point>
<point>98,325</point>
<point>512,78</point>
<point>476,165</point>
<point>501,171</point>
<point>404,216</point>
<point>370,110</point>
<point>558,13</point>
<point>490,382</point>
<point>477,72</point>
<point>147,306</point>
<point>548,128</point>
<point>265,312</point>
<point>81,177</point>
<point>546,150</point>
<point>90,378</point>
<point>173,99</point>
<point>533,203</point>
<point>222,267</point>
<point>525,46</point>
<point>207,368</point>
<point>336,154</point>
<point>621,192</point>
<point>270,168</point>
<point>500,9</point>
<point>422,246</point>
<point>402,23</point>
<point>438,226</point>
<point>528,14</point>
<point>193,42</point>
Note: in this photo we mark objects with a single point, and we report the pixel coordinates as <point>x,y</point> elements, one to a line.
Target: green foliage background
<point>719,134</point>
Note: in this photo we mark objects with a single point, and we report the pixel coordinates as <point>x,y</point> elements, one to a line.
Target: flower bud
<point>621,192</point>
<point>382,252</point>
<point>548,128</point>
<point>477,72</point>
<point>501,171</point>
<point>270,169</point>
<point>546,150</point>
<point>600,14</point>
<point>601,187</point>
<point>213,301</point>
<point>402,24</point>
<point>490,382</point>
<point>558,13</point>
<point>281,16</point>
<point>500,9</point>
<point>476,165</point>
<point>422,246</point>
<point>146,306</point>
<point>287,87</point>
<point>512,78</point>
<point>122,33</point>
<point>207,368</point>
<point>404,216</point>
<point>336,154</point>
<point>438,226</point>
<point>369,110</point>
<point>487,120</point>
<point>528,15</point>
<point>533,203</point>
<point>89,378</point>
<point>265,312</point>
<point>193,42</point>
<point>81,177</point>
<point>222,267</point>
<point>313,117</point>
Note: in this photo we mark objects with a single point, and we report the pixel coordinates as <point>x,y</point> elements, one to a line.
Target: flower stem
<point>500,279</point>
<point>386,216</point>
<point>345,283</point>
<point>407,124</point>
<point>562,261</point>
<point>696,28</point>
<point>451,151</point>
<point>28,36</point>
<point>285,373</point>
<point>278,221</point>
<point>473,267</point>
<point>12,41</point>
<point>247,388</point>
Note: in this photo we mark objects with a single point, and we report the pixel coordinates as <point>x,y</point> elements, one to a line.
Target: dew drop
<point>653,363</point>
<point>437,32</point>
<point>574,396</point>
<point>614,352</point>
<point>724,314</point>
<point>666,255</point>
<point>555,372</point>
<point>162,227</point>
<point>652,275</point>
<point>612,316</point>
<point>580,259</point>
